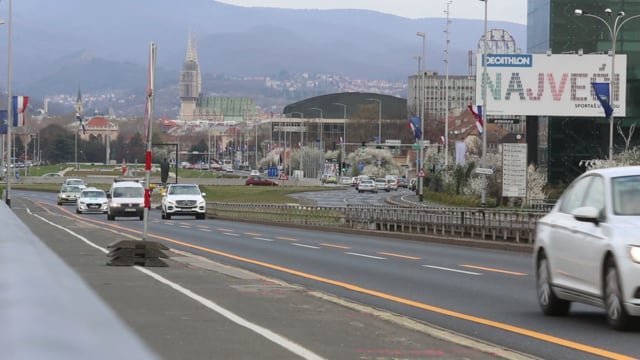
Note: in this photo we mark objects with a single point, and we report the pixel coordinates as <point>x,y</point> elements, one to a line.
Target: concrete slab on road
<point>201,323</point>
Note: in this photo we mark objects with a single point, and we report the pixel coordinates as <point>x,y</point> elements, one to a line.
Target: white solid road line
<point>207,230</point>
<point>266,333</point>
<point>366,256</point>
<point>306,246</point>
<point>453,270</point>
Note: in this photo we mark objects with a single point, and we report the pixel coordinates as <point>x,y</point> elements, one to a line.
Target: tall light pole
<point>483,196</point>
<point>613,25</point>
<point>9,105</point>
<point>108,142</point>
<point>321,132</point>
<point>344,131</point>
<point>423,35</point>
<point>379,118</point>
<point>446,89</point>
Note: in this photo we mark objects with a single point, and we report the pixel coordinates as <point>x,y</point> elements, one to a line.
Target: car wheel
<point>110,217</point>
<point>78,211</point>
<point>167,216</point>
<point>163,216</point>
<point>200,217</point>
<point>141,217</point>
<point>547,299</point>
<point>617,315</point>
<point>59,203</point>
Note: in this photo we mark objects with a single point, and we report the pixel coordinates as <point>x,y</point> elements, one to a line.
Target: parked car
<point>587,249</point>
<point>69,194</point>
<point>382,184</point>
<point>183,199</point>
<point>259,181</point>
<point>367,185</point>
<point>92,200</point>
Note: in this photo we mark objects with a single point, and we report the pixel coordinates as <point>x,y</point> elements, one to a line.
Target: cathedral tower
<point>190,83</point>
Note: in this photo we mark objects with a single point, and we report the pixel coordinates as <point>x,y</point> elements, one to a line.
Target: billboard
<point>549,85</point>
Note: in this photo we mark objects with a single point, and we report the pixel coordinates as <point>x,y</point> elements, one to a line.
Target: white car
<point>587,249</point>
<point>75,182</point>
<point>183,199</point>
<point>125,199</point>
<point>92,200</point>
<point>367,185</point>
<point>346,180</point>
<point>382,184</point>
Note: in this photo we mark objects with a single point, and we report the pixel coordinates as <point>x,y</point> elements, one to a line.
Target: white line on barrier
<point>264,332</point>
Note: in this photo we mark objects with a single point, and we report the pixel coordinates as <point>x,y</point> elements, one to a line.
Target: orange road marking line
<point>335,246</point>
<point>400,256</point>
<point>393,298</point>
<point>494,270</point>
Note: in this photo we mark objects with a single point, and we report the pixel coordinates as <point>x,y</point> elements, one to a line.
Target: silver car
<point>367,185</point>
<point>587,249</point>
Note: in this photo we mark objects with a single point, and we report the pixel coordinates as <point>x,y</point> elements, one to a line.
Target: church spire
<point>192,52</point>
<point>79,102</point>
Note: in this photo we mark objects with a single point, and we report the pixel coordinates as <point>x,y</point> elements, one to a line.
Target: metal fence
<point>486,224</point>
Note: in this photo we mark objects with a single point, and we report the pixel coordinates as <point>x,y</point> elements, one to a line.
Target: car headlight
<point>171,202</point>
<point>634,251</point>
<point>201,202</point>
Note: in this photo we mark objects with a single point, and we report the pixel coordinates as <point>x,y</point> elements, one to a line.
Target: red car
<point>260,181</point>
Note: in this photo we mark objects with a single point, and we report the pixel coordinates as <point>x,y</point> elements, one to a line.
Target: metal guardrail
<point>47,311</point>
<point>487,224</point>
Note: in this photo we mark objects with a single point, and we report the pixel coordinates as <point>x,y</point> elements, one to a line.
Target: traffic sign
<point>484,171</point>
<point>421,173</point>
<point>283,176</point>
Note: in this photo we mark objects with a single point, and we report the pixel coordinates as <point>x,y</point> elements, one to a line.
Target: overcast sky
<point>505,10</point>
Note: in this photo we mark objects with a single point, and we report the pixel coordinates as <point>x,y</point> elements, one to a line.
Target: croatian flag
<point>477,113</point>
<point>414,124</point>
<point>20,104</point>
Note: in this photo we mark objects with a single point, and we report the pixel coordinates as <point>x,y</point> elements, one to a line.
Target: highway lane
<point>347,196</point>
<point>490,285</point>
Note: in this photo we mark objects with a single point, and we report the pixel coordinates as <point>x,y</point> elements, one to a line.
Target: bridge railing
<point>487,224</point>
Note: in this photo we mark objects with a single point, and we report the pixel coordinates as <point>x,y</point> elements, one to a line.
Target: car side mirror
<point>587,214</point>
<point>204,194</point>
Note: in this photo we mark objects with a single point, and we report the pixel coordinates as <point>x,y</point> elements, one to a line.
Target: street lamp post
<point>9,106</point>
<point>446,90</point>
<point>423,35</point>
<point>321,128</point>
<point>379,118</point>
<point>344,132</point>
<point>483,196</point>
<point>613,25</point>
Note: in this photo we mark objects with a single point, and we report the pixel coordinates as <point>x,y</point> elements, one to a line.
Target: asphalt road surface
<point>485,294</point>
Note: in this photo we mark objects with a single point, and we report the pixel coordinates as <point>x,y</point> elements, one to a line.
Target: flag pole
<point>148,125</point>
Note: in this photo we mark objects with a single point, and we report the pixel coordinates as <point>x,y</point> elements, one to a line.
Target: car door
<point>589,241</point>
<point>563,237</point>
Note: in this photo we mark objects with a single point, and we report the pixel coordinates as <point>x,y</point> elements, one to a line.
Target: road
<point>485,294</point>
<point>349,196</point>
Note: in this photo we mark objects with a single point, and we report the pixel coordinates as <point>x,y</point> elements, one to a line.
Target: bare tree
<point>627,139</point>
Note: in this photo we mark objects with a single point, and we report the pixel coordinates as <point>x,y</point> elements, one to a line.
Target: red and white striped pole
<point>148,127</point>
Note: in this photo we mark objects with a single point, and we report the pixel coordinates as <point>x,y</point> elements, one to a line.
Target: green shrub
<point>457,200</point>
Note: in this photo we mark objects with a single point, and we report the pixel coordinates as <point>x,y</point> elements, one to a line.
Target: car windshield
<point>183,190</point>
<point>94,194</point>
<point>128,192</point>
<point>75,182</point>
<point>626,195</point>
<point>71,189</point>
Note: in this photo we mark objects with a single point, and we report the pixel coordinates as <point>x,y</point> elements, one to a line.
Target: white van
<point>227,165</point>
<point>125,199</point>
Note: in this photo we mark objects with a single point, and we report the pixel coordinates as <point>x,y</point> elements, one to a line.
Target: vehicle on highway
<point>183,199</point>
<point>403,182</point>
<point>68,194</point>
<point>255,173</point>
<point>52,175</point>
<point>413,184</point>
<point>393,182</point>
<point>587,249</point>
<point>75,181</point>
<point>346,180</point>
<point>330,179</point>
<point>359,178</point>
<point>92,200</point>
<point>382,184</point>
<point>227,166</point>
<point>367,185</point>
<point>259,181</point>
<point>125,199</point>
